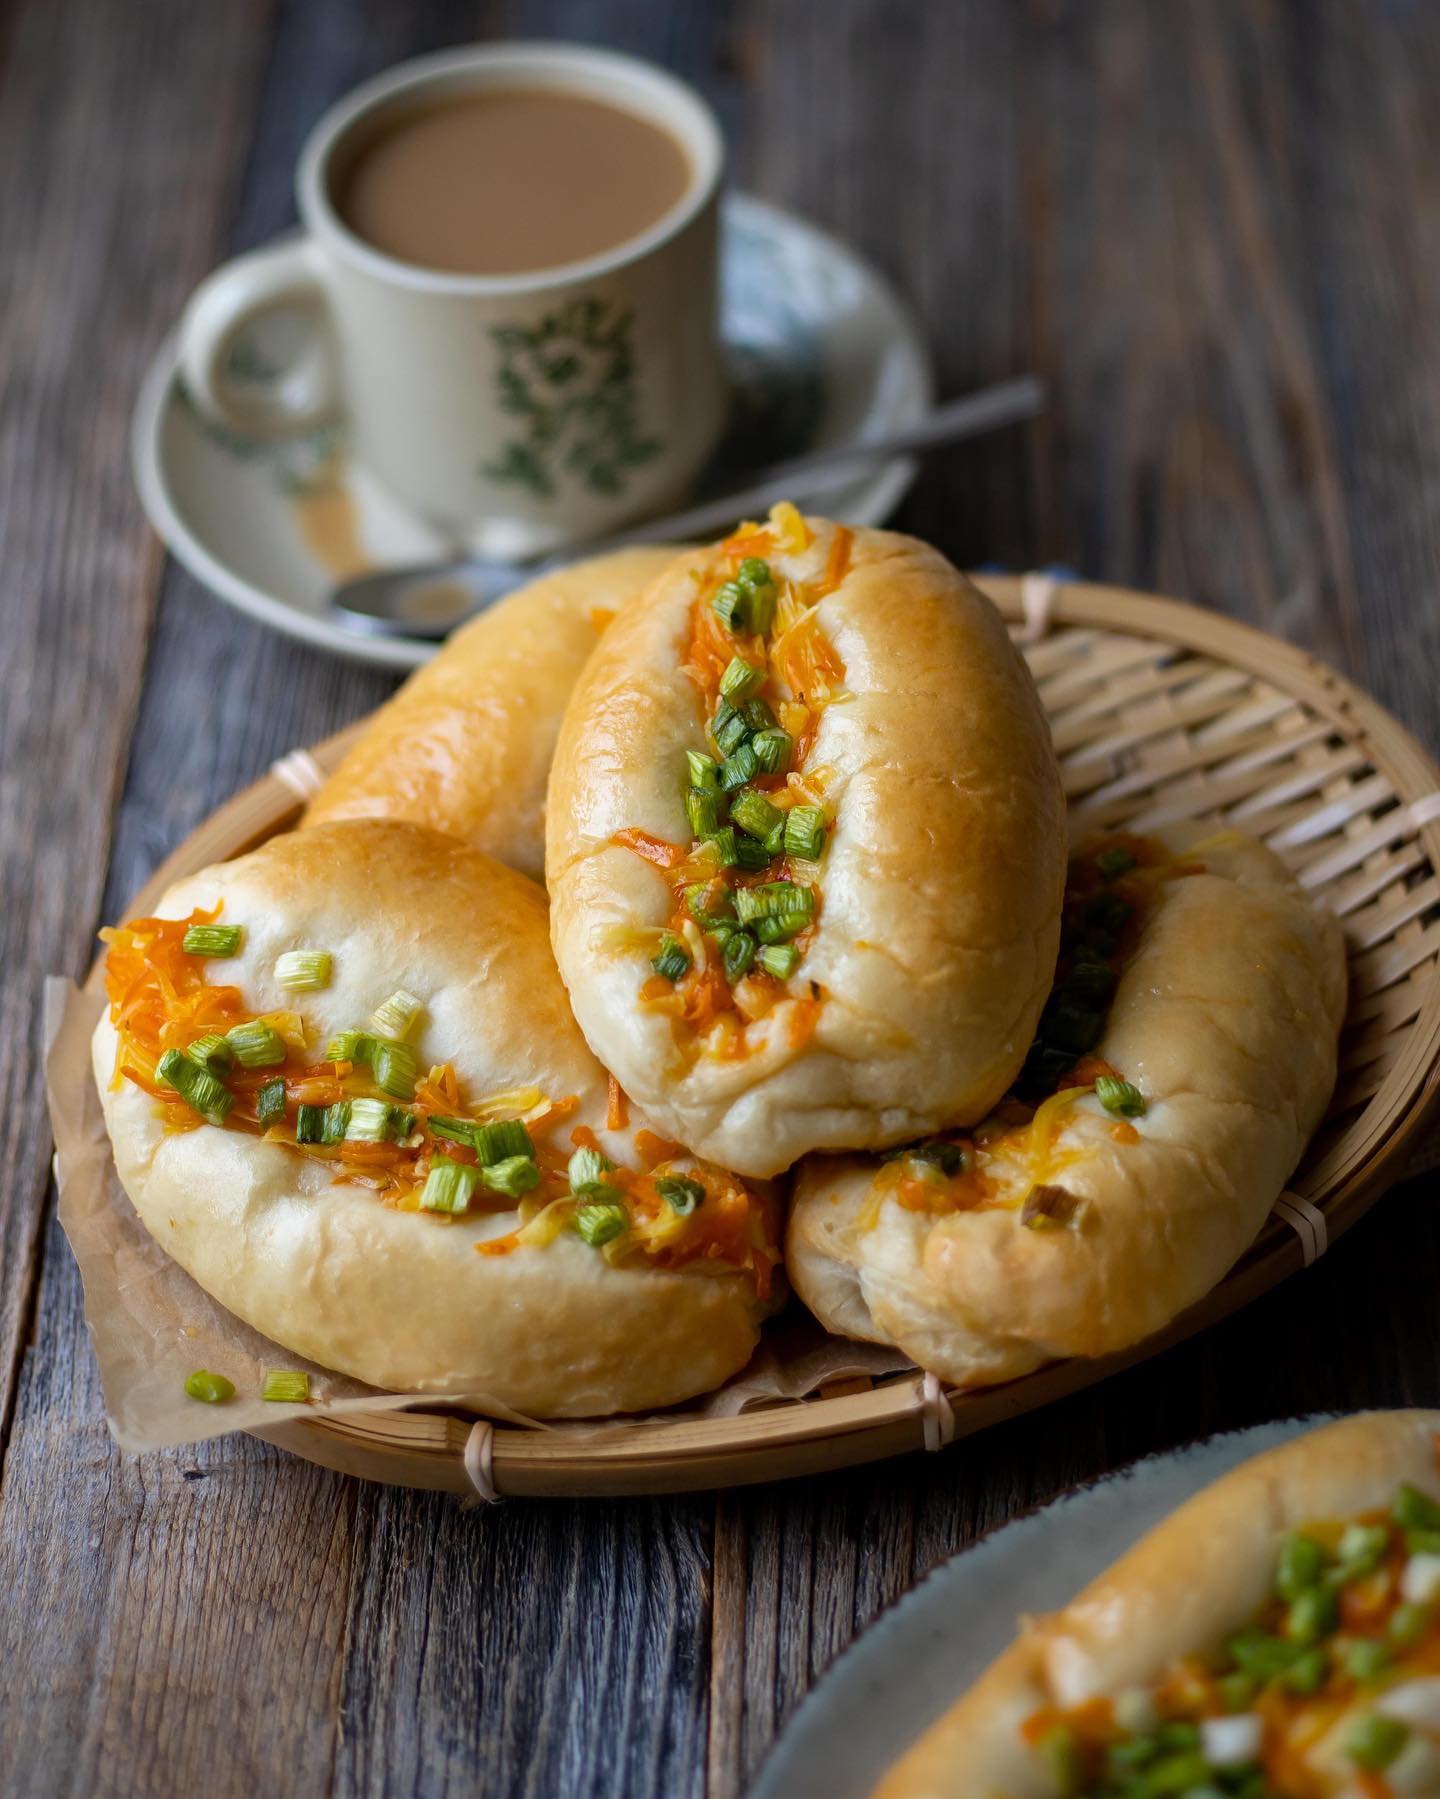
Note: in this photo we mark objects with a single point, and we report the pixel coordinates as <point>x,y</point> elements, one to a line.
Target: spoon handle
<point>822,471</point>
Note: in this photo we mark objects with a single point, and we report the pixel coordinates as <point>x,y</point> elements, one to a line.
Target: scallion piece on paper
<point>601,1223</point>
<point>208,1388</point>
<point>514,1177</point>
<point>286,1386</point>
<point>672,960</point>
<point>395,1017</point>
<point>303,970</point>
<point>805,833</point>
<point>196,1086</point>
<point>740,680</point>
<point>680,1193</point>
<point>215,941</point>
<point>449,1186</point>
<point>212,1053</point>
<point>1121,1097</point>
<point>395,1067</point>
<point>256,1044</point>
<point>270,1104</point>
<point>772,751</point>
<point>499,1141</point>
<point>780,959</point>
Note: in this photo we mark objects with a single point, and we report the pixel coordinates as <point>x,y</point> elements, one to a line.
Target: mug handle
<point>286,278</point>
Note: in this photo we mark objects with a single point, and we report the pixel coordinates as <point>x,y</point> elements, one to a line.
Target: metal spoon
<point>430,600</point>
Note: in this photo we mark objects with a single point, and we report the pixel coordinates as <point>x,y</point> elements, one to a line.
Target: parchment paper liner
<point>151,1324</point>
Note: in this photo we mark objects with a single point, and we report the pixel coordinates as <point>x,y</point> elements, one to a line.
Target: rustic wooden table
<point>1216,231</point>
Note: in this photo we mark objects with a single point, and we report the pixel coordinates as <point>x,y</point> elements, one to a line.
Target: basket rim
<point>423,1446</point>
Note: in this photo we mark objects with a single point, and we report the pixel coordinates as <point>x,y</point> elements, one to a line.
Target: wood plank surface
<point>1216,231</point>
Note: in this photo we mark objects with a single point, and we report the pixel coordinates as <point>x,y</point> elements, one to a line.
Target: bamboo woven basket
<point>1160,712</point>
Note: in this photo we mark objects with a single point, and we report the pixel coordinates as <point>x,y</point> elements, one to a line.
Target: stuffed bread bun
<point>357,1110</point>
<point>805,846</point>
<point>1276,1637</point>
<point>465,744</point>
<point>1182,1064</point>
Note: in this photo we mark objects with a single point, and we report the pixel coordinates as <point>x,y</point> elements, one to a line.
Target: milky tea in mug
<point>510,278</point>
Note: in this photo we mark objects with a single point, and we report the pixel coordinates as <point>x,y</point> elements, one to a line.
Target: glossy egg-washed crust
<point>398,1298</point>
<point>941,881</point>
<point>465,744</point>
<point>1227,1017</point>
<point>1198,1576</point>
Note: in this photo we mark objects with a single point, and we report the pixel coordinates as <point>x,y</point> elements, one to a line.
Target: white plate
<point>916,1660</point>
<point>821,351</point>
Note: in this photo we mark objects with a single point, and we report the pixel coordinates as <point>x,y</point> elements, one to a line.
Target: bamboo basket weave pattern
<point>1160,712</point>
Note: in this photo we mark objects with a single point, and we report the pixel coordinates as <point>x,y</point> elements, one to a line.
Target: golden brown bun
<point>465,744</point>
<point>1198,1576</point>
<point>398,1298</point>
<point>941,881</point>
<point>1227,1019</point>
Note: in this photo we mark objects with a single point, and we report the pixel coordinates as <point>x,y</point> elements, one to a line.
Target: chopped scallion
<point>458,1130</point>
<point>375,1121</point>
<point>215,941</point>
<point>1374,1742</point>
<point>256,1044</point>
<point>588,1169</point>
<point>672,960</point>
<point>335,1123</point>
<point>196,1086</point>
<point>757,817</point>
<point>740,680</point>
<point>395,1017</point>
<point>286,1386</point>
<point>742,765</point>
<point>208,1388</point>
<point>779,927</point>
<point>1121,1097</point>
<point>449,1186</point>
<point>212,1053</point>
<point>729,605</point>
<point>499,1141</point>
<point>780,959</point>
<point>709,902</point>
<point>703,812</point>
<point>805,833</point>
<point>351,1046</point>
<point>680,1193</point>
<point>303,970</point>
<point>514,1176</point>
<point>751,855</point>
<point>1414,1510</point>
<point>772,750</point>
<point>601,1223</point>
<point>754,572</point>
<point>395,1067</point>
<point>758,716</point>
<point>772,899</point>
<point>738,955</point>
<point>728,728</point>
<point>1114,863</point>
<point>704,771</point>
<point>725,851</point>
<point>270,1104</point>
<point>309,1122</point>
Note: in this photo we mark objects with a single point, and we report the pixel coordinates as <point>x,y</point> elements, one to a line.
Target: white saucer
<point>821,349</point>
<point>914,1662</point>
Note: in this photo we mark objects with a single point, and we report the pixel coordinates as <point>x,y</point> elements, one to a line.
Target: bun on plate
<point>377,1165</point>
<point>465,744</point>
<point>1278,1635</point>
<point>805,846</point>
<point>1182,1064</point>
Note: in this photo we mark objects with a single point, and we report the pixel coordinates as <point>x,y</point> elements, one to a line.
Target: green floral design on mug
<point>569,382</point>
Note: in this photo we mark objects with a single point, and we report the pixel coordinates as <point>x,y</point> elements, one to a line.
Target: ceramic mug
<point>515,412</point>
